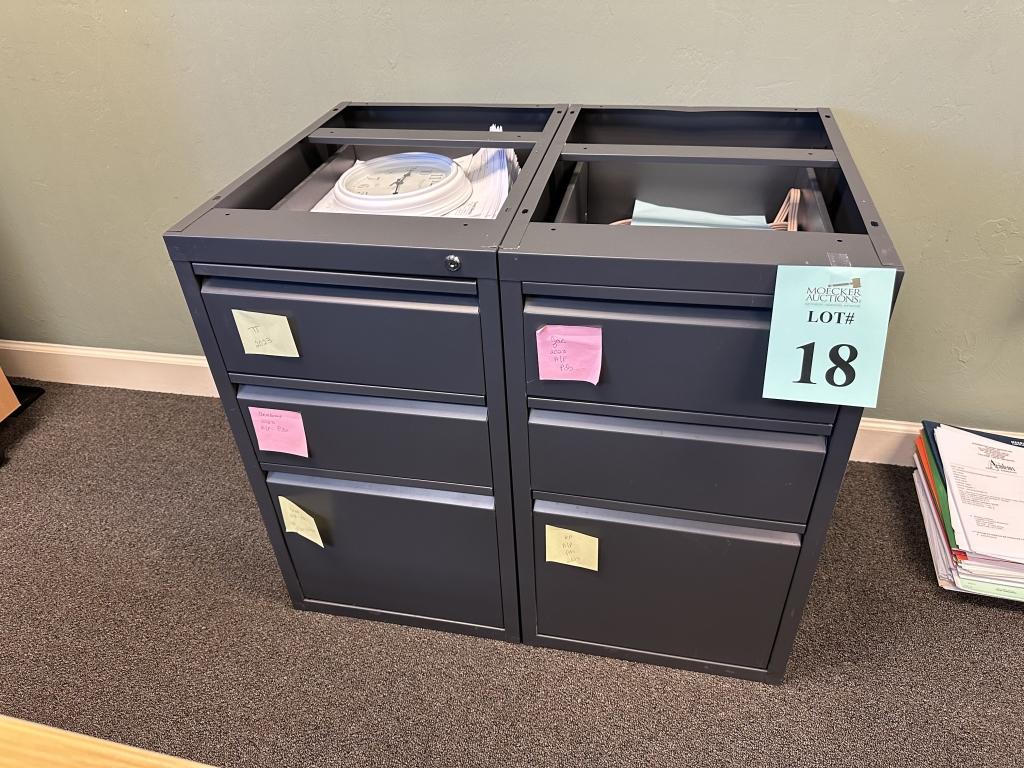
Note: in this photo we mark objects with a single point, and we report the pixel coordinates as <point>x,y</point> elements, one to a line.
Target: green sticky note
<point>264,334</point>
<point>828,334</point>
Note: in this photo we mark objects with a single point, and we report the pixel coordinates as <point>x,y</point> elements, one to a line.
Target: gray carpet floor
<point>140,602</point>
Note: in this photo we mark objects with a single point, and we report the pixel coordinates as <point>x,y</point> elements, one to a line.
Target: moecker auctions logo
<point>835,294</point>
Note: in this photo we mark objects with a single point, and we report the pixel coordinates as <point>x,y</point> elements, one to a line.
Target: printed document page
<point>986,492</point>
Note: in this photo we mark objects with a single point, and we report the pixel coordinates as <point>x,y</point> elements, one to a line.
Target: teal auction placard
<point>828,334</point>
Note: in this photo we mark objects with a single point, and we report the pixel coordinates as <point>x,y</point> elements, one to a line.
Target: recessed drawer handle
<point>670,525</point>
<point>662,430</point>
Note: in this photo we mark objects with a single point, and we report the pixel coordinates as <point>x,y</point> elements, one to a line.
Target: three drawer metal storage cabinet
<point>438,456</point>
<point>709,502</point>
<point>398,375</point>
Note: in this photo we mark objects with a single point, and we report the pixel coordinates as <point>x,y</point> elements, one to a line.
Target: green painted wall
<point>117,118</point>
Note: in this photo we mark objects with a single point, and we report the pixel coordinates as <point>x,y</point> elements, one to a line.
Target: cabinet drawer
<point>394,548</point>
<point>445,442</point>
<point>680,357</point>
<point>676,587</point>
<point>769,475</point>
<point>404,339</point>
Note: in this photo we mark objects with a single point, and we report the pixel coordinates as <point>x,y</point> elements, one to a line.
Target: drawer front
<point>680,357</point>
<point>662,585</point>
<point>745,472</point>
<point>444,442</point>
<point>356,335</point>
<point>394,548</point>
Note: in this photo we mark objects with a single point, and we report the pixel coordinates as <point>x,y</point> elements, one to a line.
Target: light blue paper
<point>838,310</point>
<point>650,215</point>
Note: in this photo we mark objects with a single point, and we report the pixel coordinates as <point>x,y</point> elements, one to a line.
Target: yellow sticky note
<point>264,334</point>
<point>570,548</point>
<point>297,520</point>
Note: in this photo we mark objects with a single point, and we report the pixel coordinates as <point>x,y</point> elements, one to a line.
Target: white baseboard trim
<point>100,367</point>
<point>879,441</point>
<point>882,441</point>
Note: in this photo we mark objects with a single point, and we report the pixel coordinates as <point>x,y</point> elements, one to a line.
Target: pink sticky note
<point>279,431</point>
<point>569,353</point>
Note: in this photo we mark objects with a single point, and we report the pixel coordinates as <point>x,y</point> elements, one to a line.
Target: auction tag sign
<point>828,334</point>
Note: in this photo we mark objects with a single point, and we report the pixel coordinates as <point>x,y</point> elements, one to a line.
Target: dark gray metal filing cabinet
<point>709,502</point>
<point>438,457</point>
<point>399,374</point>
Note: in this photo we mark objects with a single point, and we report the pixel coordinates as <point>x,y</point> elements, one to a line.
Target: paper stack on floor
<point>971,488</point>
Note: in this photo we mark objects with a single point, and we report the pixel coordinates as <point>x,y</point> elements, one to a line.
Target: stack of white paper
<point>492,172</point>
<point>971,489</point>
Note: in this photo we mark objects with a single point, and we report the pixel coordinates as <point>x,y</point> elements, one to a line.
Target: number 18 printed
<point>828,334</point>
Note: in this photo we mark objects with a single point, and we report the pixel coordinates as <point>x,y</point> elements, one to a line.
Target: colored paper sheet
<point>942,561</point>
<point>265,334</point>
<point>827,335</point>
<point>569,353</point>
<point>929,438</point>
<point>299,521</point>
<point>279,431</point>
<point>567,547</point>
<point>938,487</point>
<point>989,588</point>
<point>650,215</point>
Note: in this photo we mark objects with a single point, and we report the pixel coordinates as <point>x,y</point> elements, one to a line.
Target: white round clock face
<point>407,183</point>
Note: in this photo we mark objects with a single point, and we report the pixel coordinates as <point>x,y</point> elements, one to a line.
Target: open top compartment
<point>304,172</point>
<point>693,166</point>
<point>274,201</point>
<point>721,161</point>
<point>604,192</point>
